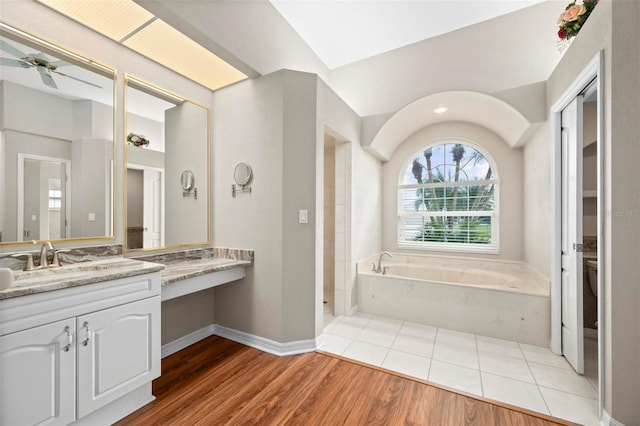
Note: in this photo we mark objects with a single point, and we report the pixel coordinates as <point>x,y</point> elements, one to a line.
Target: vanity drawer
<point>20,313</point>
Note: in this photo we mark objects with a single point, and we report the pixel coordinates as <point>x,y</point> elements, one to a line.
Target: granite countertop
<point>188,269</point>
<point>174,267</point>
<point>183,264</point>
<point>77,274</point>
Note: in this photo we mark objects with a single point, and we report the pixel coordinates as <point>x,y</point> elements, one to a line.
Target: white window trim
<point>493,248</point>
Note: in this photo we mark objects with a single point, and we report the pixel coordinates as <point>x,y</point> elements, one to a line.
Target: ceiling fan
<point>45,68</point>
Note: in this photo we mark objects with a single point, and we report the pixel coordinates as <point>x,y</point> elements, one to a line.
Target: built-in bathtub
<point>501,299</point>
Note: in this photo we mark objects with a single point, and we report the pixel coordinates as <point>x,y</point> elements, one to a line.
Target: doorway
<point>145,207</point>
<point>338,273</point>
<point>578,222</point>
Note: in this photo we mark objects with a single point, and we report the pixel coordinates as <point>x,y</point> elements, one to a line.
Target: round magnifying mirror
<point>187,180</point>
<point>242,174</point>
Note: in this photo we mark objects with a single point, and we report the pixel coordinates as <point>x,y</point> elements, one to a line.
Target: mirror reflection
<point>166,135</point>
<point>56,142</point>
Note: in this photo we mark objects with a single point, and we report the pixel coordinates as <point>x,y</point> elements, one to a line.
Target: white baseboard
<point>607,420</point>
<point>266,345</point>
<point>188,340</point>
<point>260,343</point>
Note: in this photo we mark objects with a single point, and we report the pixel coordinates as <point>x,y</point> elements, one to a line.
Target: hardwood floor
<point>217,381</point>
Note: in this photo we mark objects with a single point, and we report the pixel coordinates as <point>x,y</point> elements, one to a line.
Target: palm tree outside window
<point>447,199</point>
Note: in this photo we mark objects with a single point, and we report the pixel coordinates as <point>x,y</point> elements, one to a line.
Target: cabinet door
<point>37,375</point>
<point>118,351</point>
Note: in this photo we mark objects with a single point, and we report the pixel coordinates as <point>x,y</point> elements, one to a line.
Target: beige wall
<point>508,162</point>
<point>608,29</point>
<point>277,123</point>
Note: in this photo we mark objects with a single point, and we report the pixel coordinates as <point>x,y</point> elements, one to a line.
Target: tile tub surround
<point>70,255</point>
<point>74,275</point>
<point>521,313</point>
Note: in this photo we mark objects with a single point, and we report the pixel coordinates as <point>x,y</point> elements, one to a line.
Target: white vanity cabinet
<point>37,375</point>
<point>116,352</point>
<point>94,366</point>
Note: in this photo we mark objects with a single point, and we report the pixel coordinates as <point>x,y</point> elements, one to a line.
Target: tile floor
<point>523,375</point>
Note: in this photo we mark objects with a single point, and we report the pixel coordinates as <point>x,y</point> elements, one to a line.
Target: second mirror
<point>166,136</point>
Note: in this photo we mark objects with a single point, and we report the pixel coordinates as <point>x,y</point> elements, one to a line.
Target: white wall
<point>509,169</point>
<point>538,212</point>
<point>247,127</point>
<point>90,186</point>
<point>186,148</point>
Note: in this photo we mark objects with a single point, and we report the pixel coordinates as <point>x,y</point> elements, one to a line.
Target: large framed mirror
<point>56,142</point>
<point>167,136</point>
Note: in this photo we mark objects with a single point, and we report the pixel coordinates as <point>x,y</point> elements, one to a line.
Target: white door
<point>37,375</point>
<point>118,351</point>
<point>152,209</point>
<point>572,310</point>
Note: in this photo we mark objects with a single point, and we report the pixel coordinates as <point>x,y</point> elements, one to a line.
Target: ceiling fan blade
<point>6,62</point>
<point>77,79</point>
<point>14,51</point>
<point>60,63</point>
<point>46,77</point>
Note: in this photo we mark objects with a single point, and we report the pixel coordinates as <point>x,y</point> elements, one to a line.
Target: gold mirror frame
<point>169,181</point>
<point>76,59</point>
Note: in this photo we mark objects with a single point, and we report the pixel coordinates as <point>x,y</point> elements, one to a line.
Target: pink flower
<point>562,34</point>
<point>573,13</point>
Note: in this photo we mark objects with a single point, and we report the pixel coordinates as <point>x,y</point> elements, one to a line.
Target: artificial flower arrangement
<point>137,140</point>
<point>574,17</point>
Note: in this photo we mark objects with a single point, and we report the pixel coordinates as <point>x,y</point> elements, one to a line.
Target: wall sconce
<point>242,174</point>
<point>188,182</point>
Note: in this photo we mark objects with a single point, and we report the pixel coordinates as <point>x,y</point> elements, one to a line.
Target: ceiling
<point>342,32</point>
<point>378,56</point>
<point>495,50</point>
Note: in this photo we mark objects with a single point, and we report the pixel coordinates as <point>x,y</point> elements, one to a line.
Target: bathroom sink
<point>61,270</point>
<point>73,272</point>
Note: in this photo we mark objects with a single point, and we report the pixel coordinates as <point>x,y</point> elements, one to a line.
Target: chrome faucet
<point>378,269</point>
<point>44,253</point>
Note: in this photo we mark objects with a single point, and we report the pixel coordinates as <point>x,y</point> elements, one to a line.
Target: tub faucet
<point>44,253</point>
<point>378,268</point>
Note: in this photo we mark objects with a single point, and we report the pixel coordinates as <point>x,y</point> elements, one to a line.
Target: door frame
<point>593,71</point>
<point>20,192</point>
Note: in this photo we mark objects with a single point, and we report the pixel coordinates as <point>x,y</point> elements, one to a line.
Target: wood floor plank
<point>220,382</point>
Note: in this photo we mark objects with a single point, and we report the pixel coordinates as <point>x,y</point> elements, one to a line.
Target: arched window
<point>447,199</point>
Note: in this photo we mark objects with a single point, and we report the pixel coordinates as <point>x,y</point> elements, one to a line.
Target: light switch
<point>34,218</point>
<point>303,216</point>
<point>92,217</point>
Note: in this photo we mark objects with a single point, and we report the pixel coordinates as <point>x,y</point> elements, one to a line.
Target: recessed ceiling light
<point>440,110</point>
